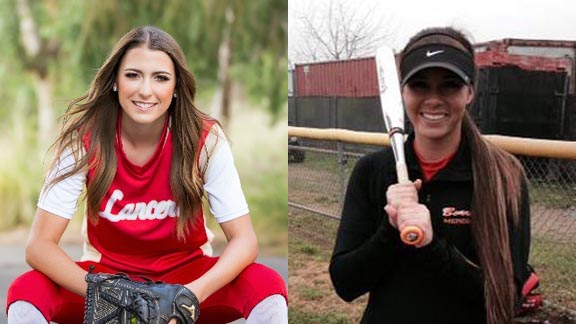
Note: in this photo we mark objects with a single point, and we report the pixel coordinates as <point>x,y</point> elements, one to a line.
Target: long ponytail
<point>495,202</point>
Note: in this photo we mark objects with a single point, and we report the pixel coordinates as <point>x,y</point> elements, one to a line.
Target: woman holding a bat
<point>468,198</point>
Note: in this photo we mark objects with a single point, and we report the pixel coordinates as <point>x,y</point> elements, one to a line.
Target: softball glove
<point>117,298</point>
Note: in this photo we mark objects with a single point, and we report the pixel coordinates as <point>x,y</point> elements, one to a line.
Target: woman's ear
<point>471,94</point>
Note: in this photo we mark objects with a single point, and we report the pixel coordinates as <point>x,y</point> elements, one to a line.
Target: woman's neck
<point>141,135</point>
<point>431,150</point>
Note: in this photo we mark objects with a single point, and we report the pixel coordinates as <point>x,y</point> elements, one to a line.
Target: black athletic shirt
<point>440,283</point>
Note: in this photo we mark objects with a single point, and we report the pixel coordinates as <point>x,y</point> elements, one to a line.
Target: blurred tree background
<point>51,49</point>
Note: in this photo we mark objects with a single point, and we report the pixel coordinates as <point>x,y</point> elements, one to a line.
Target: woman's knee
<point>34,288</point>
<point>50,299</point>
<point>264,279</point>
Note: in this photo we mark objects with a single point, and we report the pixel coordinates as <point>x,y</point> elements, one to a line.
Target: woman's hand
<point>415,214</point>
<point>404,210</point>
<point>398,194</point>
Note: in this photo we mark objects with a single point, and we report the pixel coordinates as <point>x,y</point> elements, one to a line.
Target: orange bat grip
<point>412,235</point>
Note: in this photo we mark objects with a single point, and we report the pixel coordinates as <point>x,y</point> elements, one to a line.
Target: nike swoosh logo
<point>428,53</point>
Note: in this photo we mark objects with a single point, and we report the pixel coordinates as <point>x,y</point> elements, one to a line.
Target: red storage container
<point>532,55</point>
<point>349,78</point>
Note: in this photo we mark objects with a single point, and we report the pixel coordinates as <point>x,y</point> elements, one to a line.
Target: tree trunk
<point>36,62</point>
<point>45,111</point>
<point>221,102</point>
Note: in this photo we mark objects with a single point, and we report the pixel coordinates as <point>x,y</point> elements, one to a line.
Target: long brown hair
<point>497,177</point>
<point>96,113</point>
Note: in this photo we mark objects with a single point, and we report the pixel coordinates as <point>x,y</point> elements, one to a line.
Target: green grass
<point>296,316</point>
<point>311,233</point>
<point>328,162</point>
<point>310,250</point>
<point>305,248</point>
<point>314,300</point>
<point>312,294</point>
<point>554,262</point>
<point>326,200</point>
<point>21,173</point>
<point>553,195</point>
<point>321,161</point>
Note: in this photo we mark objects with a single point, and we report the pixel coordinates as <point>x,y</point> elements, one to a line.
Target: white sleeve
<point>62,198</point>
<point>221,180</point>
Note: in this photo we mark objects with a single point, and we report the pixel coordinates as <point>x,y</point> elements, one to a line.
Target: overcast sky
<point>484,19</point>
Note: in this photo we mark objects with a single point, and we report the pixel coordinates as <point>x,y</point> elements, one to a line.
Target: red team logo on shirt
<point>139,210</point>
<point>455,217</point>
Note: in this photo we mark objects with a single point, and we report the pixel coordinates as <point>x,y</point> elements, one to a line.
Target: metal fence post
<point>341,173</point>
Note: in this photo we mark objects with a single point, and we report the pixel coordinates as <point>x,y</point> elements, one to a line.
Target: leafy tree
<point>75,37</point>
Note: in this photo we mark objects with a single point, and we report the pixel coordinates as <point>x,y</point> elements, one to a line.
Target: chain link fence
<point>319,172</point>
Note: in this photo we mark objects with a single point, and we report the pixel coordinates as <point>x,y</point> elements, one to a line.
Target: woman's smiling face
<point>435,100</point>
<point>146,82</point>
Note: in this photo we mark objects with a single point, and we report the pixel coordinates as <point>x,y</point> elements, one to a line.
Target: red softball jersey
<point>136,228</point>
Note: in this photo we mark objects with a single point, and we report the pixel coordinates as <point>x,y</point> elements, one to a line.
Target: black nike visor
<point>437,56</point>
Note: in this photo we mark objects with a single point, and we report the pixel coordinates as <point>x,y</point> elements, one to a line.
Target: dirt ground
<point>311,292</point>
<point>558,223</point>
